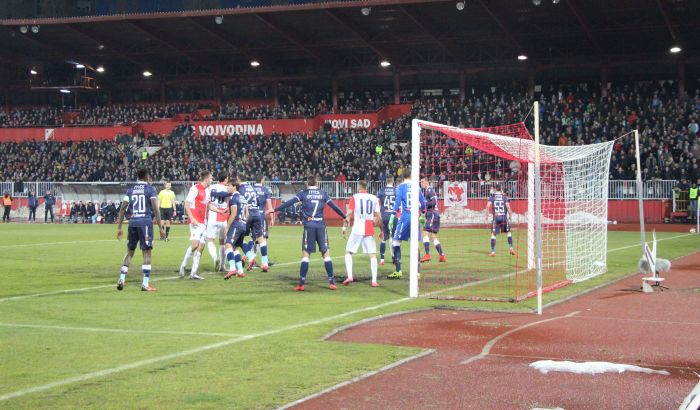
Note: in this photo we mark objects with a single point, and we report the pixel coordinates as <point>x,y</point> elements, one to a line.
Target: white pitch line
<point>106,372</point>
<point>67,242</point>
<point>658,240</point>
<point>109,330</point>
<point>359,378</point>
<point>59,292</point>
<point>487,347</point>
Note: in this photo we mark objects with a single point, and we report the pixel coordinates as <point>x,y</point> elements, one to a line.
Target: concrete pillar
<point>397,88</point>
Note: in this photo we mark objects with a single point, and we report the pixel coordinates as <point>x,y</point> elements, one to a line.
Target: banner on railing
<point>455,193</point>
<point>216,128</point>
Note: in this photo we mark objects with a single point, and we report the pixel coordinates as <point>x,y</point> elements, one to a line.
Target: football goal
<point>517,218</point>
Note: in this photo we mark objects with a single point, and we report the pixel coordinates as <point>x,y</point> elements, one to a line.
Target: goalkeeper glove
<point>392,221</point>
<point>422,219</point>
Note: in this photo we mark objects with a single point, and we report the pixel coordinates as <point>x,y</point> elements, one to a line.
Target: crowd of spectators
<point>28,117</point>
<point>308,105</point>
<point>569,115</point>
<point>127,114</point>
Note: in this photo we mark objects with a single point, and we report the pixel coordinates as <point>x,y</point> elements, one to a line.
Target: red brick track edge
<point>616,323</point>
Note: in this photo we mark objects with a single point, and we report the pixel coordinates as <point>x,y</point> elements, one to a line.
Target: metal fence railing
<point>617,189</point>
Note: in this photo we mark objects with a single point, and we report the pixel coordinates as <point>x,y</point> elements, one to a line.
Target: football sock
<point>493,244</point>
<point>303,270</point>
<point>348,265</point>
<point>373,268</point>
<point>167,232</point>
<point>230,258</point>
<point>146,274</point>
<point>188,253</point>
<point>195,262</point>
<point>328,263</point>
<point>251,251</point>
<point>212,251</point>
<point>382,249</point>
<point>510,240</point>
<point>438,247</point>
<point>124,271</point>
<point>263,252</point>
<point>426,245</point>
<point>397,257</point>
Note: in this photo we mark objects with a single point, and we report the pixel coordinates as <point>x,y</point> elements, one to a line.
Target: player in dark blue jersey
<point>264,198</point>
<point>498,207</point>
<point>431,221</point>
<point>140,203</point>
<point>403,227</point>
<point>387,197</point>
<point>235,230</point>
<point>313,202</point>
<point>255,219</point>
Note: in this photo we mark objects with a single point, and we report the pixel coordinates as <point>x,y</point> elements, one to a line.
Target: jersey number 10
<point>366,207</point>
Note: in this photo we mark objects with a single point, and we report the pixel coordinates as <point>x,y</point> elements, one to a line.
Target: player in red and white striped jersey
<point>364,213</point>
<point>196,206</point>
<point>216,220</point>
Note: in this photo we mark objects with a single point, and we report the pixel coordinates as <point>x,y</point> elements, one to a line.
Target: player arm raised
<point>120,218</point>
<point>286,204</point>
<point>218,195</point>
<point>337,210</point>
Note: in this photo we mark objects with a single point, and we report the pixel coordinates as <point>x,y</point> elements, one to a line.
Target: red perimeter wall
<point>622,211</point>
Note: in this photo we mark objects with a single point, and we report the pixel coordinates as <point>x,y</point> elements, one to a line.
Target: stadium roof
<point>337,39</point>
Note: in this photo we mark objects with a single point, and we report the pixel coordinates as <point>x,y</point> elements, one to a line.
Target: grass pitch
<point>68,339</point>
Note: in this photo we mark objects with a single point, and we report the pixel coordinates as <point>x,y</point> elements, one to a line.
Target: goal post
<point>558,198</point>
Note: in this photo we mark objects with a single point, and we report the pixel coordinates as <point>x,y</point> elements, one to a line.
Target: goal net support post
<point>559,200</point>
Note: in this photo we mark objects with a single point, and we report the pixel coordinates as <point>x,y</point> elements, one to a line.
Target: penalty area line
<point>177,355</point>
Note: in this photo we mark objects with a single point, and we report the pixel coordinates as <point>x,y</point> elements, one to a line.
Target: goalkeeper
<point>403,227</point>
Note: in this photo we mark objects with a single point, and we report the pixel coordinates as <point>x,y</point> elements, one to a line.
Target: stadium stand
<point>571,115</point>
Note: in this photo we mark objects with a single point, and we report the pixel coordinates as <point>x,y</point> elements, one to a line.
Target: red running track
<point>617,324</point>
